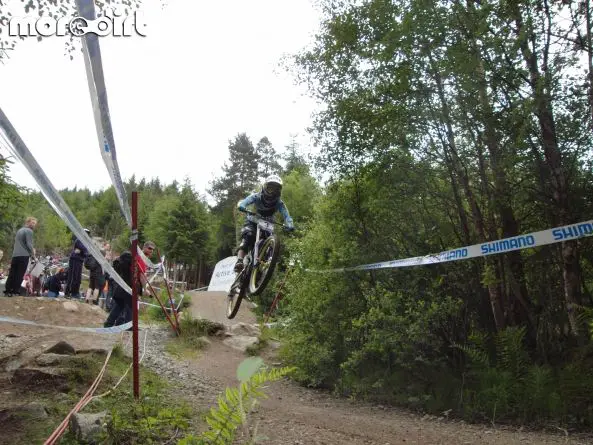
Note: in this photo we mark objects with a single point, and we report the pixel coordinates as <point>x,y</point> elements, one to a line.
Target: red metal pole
<point>136,370</point>
<point>277,298</point>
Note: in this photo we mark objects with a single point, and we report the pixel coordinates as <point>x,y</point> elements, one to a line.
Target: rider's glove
<point>289,227</point>
<point>242,209</point>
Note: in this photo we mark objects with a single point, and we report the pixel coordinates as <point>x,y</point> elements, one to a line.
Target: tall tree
<point>186,228</point>
<point>267,157</point>
<point>240,172</point>
<point>239,179</point>
<point>294,158</point>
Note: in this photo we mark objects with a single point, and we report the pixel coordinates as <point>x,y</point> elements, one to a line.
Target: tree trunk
<point>174,275</point>
<point>502,202</point>
<point>450,148</point>
<point>197,276</point>
<point>543,109</point>
<point>589,57</point>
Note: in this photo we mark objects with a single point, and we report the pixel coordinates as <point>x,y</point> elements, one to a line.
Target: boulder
<point>32,410</point>
<point>51,359</point>
<point>62,347</point>
<point>31,376</point>
<point>70,306</point>
<point>87,428</point>
<point>245,329</point>
<point>29,411</point>
<point>241,342</point>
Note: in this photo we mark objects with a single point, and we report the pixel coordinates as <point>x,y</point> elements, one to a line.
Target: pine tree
<point>268,158</point>
<point>294,158</point>
<point>240,174</point>
<point>239,179</point>
<point>187,228</point>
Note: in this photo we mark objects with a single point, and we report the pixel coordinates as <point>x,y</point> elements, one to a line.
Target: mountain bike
<point>258,264</point>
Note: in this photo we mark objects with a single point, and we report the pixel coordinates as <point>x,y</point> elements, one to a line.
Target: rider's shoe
<point>238,266</point>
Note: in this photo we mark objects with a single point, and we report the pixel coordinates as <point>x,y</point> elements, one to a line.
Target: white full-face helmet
<point>272,189</point>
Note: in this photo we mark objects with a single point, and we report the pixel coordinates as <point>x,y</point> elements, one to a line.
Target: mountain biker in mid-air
<point>266,203</point>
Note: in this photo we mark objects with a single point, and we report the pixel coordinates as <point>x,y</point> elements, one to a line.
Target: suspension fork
<point>256,247</point>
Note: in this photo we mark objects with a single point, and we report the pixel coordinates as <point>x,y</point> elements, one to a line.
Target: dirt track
<point>212,306</point>
<point>296,415</point>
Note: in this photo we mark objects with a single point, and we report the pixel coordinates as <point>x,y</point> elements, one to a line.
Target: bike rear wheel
<point>268,257</point>
<point>235,296</point>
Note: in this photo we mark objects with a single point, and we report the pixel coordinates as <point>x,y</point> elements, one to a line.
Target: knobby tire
<point>234,303</point>
<point>256,290</point>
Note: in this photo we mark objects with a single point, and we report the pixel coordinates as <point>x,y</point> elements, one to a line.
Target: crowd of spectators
<point>59,279</point>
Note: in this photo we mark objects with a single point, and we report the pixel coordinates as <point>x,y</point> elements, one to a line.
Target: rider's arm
<point>247,201</point>
<point>281,207</point>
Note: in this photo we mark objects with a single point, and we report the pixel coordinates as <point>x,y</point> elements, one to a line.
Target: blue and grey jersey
<point>264,209</point>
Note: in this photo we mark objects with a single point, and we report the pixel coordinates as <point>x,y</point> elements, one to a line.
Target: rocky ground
<point>291,415</point>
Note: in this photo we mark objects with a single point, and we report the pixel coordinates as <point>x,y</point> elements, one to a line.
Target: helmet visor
<point>273,189</point>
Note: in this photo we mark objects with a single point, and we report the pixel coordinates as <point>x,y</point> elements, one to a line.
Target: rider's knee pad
<point>247,235</point>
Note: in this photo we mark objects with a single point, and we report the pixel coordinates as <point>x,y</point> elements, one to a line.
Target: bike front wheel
<point>235,296</point>
<point>267,259</point>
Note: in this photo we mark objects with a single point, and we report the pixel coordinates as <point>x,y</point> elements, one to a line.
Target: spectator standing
<point>77,257</point>
<point>21,253</point>
<point>147,249</point>
<point>122,301</point>
<point>121,304</point>
<point>96,279</point>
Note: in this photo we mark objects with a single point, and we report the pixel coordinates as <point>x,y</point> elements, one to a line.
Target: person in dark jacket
<point>53,284</point>
<point>122,301</point>
<point>77,257</point>
<point>96,279</point>
<point>23,250</point>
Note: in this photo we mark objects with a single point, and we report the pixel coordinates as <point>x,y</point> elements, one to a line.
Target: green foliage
<point>267,158</point>
<point>437,132</point>
<point>155,418</point>
<point>186,228</point>
<point>156,228</point>
<point>300,193</point>
<point>513,388</point>
<point>236,404</point>
<point>11,199</point>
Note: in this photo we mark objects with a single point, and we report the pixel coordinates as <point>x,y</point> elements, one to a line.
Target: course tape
<point>111,330</point>
<point>98,92</point>
<point>18,148</point>
<point>168,308</point>
<point>528,241</point>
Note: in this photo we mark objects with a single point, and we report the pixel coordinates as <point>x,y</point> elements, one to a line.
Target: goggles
<point>273,188</point>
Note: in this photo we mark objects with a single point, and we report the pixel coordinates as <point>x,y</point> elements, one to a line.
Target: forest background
<point>444,124</point>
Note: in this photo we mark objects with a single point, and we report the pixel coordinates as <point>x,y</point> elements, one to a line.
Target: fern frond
<point>229,415</point>
<point>511,355</point>
<point>475,354</point>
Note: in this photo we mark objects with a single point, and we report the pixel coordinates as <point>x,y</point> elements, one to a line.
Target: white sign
<point>111,23</point>
<point>223,275</point>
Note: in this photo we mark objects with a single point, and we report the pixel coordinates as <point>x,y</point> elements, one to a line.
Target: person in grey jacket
<point>22,251</point>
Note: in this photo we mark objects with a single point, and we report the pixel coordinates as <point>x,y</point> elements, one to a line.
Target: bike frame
<point>262,225</point>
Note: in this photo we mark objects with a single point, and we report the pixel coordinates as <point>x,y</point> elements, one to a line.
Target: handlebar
<point>262,217</point>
